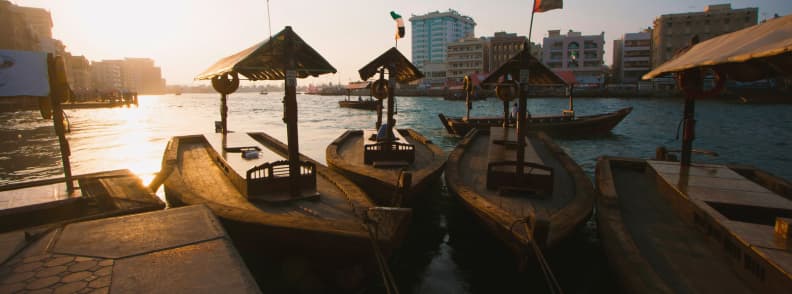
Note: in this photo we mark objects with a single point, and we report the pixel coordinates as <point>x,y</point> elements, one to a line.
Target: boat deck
<point>348,157</point>
<point>200,172</point>
<point>679,254</point>
<point>96,195</point>
<point>743,207</point>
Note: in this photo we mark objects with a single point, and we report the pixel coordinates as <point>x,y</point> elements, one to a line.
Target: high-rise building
<point>432,32</point>
<point>575,52</point>
<point>673,32</point>
<point>632,56</point>
<point>467,56</point>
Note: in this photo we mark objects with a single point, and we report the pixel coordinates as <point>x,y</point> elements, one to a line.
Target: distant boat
<point>368,104</point>
<point>263,92</point>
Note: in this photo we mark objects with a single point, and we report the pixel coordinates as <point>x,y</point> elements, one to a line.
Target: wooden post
<point>505,114</point>
<point>59,89</point>
<point>290,116</point>
<point>224,112</point>
<point>391,101</point>
<point>521,127</point>
<point>692,79</point>
<point>379,114</point>
<point>571,90</point>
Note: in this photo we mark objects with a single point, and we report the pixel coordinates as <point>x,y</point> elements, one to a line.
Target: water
<point>447,251</point>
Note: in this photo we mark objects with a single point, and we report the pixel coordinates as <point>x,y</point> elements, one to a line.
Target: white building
<point>432,32</point>
<point>575,52</point>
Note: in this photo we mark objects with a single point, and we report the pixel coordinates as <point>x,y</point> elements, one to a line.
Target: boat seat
<point>502,167</point>
<point>396,151</point>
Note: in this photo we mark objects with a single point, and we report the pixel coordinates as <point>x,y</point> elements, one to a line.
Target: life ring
<point>224,85</point>
<point>684,81</point>
<point>467,85</point>
<point>507,90</point>
<point>380,89</point>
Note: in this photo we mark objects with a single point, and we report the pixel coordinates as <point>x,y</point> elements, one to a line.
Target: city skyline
<point>185,37</point>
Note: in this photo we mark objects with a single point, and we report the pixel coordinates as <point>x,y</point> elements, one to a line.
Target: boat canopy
<point>539,73</point>
<point>753,53</point>
<point>568,76</point>
<point>358,85</point>
<point>268,60</point>
<point>403,69</point>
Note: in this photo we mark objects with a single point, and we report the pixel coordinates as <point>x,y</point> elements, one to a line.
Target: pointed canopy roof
<point>267,60</point>
<point>753,53</point>
<point>539,73</point>
<point>358,85</point>
<point>403,69</point>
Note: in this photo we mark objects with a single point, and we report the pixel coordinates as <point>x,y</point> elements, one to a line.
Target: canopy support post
<point>692,79</point>
<point>391,97</point>
<point>59,90</point>
<point>224,113</point>
<point>521,122</point>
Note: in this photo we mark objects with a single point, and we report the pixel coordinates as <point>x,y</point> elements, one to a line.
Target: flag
<point>399,24</point>
<point>546,5</point>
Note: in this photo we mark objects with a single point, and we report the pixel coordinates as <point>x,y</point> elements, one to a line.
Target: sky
<point>184,37</point>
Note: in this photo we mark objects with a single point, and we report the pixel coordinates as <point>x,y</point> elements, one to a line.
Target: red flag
<point>545,5</point>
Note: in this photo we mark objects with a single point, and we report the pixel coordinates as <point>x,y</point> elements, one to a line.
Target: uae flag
<point>399,24</point>
<point>545,5</point>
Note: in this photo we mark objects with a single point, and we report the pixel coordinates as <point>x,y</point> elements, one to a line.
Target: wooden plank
<point>234,159</point>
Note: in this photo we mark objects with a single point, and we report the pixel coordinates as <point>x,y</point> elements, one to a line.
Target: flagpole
<point>530,27</point>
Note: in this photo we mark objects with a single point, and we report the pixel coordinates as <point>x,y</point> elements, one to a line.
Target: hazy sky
<point>184,37</point>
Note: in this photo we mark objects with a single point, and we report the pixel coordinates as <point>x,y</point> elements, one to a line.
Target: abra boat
<point>368,104</point>
<point>271,199</point>
<point>556,125</point>
<point>396,167</point>
<point>525,189</point>
<point>688,227</point>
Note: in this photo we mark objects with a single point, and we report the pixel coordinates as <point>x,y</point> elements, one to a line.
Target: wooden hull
<point>345,154</point>
<point>98,195</point>
<point>568,206</point>
<point>553,125</point>
<point>707,239</point>
<point>327,231</point>
<point>366,104</point>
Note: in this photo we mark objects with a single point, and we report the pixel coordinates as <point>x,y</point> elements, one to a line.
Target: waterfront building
<point>78,72</point>
<point>632,56</point>
<point>142,76</point>
<point>106,75</point>
<point>432,32</point>
<point>434,74</point>
<point>467,56</point>
<point>575,52</point>
<point>15,33</point>
<point>672,32</point>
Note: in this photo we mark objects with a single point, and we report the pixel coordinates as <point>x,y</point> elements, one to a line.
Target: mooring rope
<point>552,283</point>
<point>382,262</point>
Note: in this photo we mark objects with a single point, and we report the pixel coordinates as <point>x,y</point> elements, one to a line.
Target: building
<point>434,74</point>
<point>632,57</point>
<point>140,75</point>
<point>432,32</point>
<point>503,46</point>
<point>15,32</point>
<point>673,32</point>
<point>39,21</point>
<point>467,56</point>
<point>106,75</point>
<point>78,72</point>
<point>583,55</point>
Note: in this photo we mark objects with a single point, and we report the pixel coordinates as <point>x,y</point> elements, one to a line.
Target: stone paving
<point>55,273</point>
<point>182,250</point>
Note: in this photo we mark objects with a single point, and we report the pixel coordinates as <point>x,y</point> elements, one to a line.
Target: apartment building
<point>432,32</point>
<point>467,56</point>
<point>573,51</point>
<point>632,57</point>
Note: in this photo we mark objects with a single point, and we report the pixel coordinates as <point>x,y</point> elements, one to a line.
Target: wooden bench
<point>502,165</point>
<point>261,177</point>
<point>382,154</point>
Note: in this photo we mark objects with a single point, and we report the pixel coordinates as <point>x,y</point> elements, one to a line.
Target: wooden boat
<point>526,190</point>
<point>328,227</point>
<point>561,125</point>
<point>391,168</point>
<point>271,199</point>
<point>688,227</point>
<point>367,104</point>
<point>96,195</point>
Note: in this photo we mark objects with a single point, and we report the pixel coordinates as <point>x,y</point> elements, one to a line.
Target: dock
<point>181,250</point>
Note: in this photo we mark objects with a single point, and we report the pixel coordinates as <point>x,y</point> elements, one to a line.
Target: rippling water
<point>446,251</point>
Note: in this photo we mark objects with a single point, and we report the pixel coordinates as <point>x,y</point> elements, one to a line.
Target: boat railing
<point>535,178</point>
<point>274,177</point>
<point>388,151</point>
